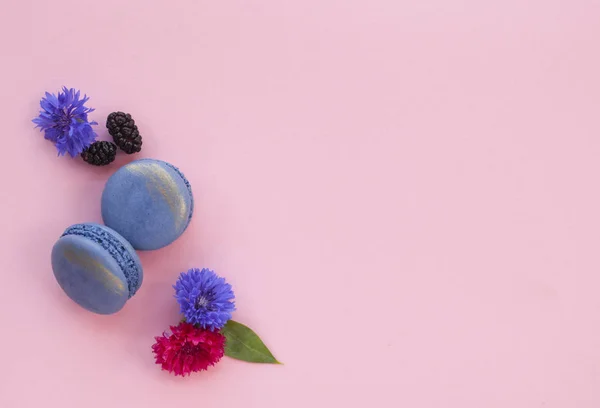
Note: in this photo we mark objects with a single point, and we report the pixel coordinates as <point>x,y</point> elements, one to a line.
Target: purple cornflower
<point>205,299</point>
<point>64,120</point>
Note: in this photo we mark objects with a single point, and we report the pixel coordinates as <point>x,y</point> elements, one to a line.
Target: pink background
<point>404,195</point>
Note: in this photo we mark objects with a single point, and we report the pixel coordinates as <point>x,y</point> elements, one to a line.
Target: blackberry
<point>100,153</point>
<point>124,131</point>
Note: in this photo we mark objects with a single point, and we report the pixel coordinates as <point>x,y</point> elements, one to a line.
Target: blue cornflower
<point>204,298</point>
<point>64,120</point>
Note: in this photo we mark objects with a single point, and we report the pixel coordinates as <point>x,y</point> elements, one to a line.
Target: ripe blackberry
<point>100,153</point>
<point>124,131</point>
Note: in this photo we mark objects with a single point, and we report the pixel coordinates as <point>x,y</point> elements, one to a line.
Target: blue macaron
<point>149,202</point>
<point>96,267</point>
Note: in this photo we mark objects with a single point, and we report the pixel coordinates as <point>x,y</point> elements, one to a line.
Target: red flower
<point>188,349</point>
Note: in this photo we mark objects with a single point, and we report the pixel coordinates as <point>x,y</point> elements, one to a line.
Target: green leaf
<point>243,344</point>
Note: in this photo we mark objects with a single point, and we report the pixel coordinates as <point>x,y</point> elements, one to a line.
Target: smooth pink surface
<point>404,194</point>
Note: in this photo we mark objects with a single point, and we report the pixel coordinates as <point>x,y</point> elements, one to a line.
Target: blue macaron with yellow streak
<point>96,267</point>
<point>149,202</point>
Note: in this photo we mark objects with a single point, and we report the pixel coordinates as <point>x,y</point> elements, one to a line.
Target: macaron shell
<point>129,248</point>
<point>148,203</point>
<point>89,275</point>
